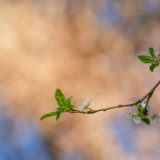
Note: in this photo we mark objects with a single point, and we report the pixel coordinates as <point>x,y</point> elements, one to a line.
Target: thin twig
<point>148,96</point>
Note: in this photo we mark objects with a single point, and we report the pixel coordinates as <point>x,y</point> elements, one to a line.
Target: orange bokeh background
<point>88,49</point>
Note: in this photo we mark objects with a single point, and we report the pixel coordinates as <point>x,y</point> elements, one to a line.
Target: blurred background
<point>88,48</point>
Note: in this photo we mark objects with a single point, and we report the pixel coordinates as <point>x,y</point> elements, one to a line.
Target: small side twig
<point>148,96</point>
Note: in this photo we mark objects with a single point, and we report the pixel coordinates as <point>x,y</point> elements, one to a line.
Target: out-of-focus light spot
<point>107,15</point>
<point>21,141</point>
<point>125,135</point>
<point>71,157</point>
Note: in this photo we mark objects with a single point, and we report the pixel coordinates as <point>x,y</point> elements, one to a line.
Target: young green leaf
<point>63,103</point>
<point>58,115</point>
<point>48,115</point>
<point>72,107</point>
<point>152,67</point>
<point>146,120</point>
<point>151,51</point>
<point>141,109</point>
<point>69,101</point>
<point>59,93</point>
<point>146,59</point>
<point>154,116</point>
<point>60,98</point>
<point>140,115</point>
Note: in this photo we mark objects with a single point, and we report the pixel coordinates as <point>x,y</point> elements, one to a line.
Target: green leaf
<point>63,103</point>
<point>151,51</point>
<point>58,115</point>
<point>48,115</point>
<point>60,109</point>
<point>59,93</point>
<point>154,116</point>
<point>69,101</point>
<point>141,109</point>
<point>152,67</point>
<point>60,98</point>
<point>72,106</point>
<point>146,120</point>
<point>140,115</point>
<point>146,59</point>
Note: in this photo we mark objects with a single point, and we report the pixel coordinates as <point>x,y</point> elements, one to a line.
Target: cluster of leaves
<point>154,59</point>
<point>143,110</point>
<point>143,114</point>
<point>64,105</point>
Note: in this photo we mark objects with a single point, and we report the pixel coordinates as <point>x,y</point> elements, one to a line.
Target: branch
<point>143,114</point>
<point>148,96</point>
